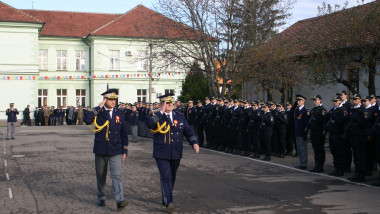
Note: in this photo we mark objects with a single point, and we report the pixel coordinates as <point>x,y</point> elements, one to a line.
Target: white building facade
<point>65,59</point>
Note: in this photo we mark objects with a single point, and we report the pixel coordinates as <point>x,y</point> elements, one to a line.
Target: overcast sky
<point>302,9</point>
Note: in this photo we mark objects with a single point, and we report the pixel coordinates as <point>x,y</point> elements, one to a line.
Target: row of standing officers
<point>258,129</point>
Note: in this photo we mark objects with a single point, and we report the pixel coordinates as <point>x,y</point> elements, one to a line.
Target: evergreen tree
<point>195,85</point>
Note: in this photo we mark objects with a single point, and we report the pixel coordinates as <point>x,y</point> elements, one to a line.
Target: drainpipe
<point>89,70</point>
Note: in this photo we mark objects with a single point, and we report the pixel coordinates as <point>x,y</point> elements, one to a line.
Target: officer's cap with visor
<point>317,97</point>
<point>280,105</point>
<point>342,92</point>
<point>337,98</point>
<point>111,94</point>
<point>190,101</point>
<point>356,96</point>
<point>167,98</point>
<point>366,98</point>
<point>300,97</point>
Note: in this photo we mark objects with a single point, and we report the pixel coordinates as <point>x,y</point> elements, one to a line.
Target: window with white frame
<point>143,63</point>
<point>80,60</point>
<point>42,97</point>
<point>114,60</point>
<point>81,97</point>
<point>42,59</point>
<point>141,95</point>
<point>167,91</point>
<point>62,97</point>
<point>169,64</point>
<point>61,60</point>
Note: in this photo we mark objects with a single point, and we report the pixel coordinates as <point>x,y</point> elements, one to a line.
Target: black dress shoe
<point>300,167</point>
<point>281,156</point>
<point>170,207</point>
<point>337,173</point>
<point>121,205</point>
<point>295,155</point>
<point>13,138</point>
<point>266,158</point>
<point>7,138</point>
<point>102,203</point>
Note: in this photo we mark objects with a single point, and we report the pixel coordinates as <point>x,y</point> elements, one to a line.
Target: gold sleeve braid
<point>100,128</point>
<point>163,129</point>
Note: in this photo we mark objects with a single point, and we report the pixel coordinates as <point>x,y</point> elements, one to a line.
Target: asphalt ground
<point>51,170</point>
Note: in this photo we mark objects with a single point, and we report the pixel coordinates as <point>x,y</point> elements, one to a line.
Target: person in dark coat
<point>315,125</point>
<point>200,110</point>
<point>301,118</point>
<point>12,113</point>
<point>26,114</point>
<point>169,127</point>
<point>134,122</point>
<point>110,146</point>
<point>266,130</point>
<point>334,125</point>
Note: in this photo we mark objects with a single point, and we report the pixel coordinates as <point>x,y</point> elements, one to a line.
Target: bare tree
<point>218,33</point>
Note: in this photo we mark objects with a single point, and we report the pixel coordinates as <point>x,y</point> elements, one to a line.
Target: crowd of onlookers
<point>51,116</point>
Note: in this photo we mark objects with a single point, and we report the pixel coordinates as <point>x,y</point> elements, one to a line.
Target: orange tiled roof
<point>304,37</point>
<point>11,14</point>
<point>140,22</point>
<point>70,24</point>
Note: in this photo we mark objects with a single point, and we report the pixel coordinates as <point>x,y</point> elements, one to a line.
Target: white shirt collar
<point>170,115</point>
<point>344,101</point>
<point>369,106</point>
<point>111,110</point>
<point>373,104</point>
<point>358,106</point>
<point>300,108</point>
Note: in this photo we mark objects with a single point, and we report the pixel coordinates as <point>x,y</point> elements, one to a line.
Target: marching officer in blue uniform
<point>11,121</point>
<point>316,125</point>
<point>301,118</point>
<point>169,127</point>
<point>348,107</point>
<point>110,146</point>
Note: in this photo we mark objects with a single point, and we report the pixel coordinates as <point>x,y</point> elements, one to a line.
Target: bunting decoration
<point>93,77</point>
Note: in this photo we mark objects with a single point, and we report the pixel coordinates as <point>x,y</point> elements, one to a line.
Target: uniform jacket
<point>134,118</point>
<point>117,136</point>
<point>180,109</point>
<point>360,121</point>
<point>282,120</point>
<point>317,118</point>
<point>169,146</point>
<point>190,115</point>
<point>267,122</point>
<point>228,116</point>
<point>334,121</point>
<point>12,115</point>
<point>199,114</point>
<point>142,114</point>
<point>300,121</point>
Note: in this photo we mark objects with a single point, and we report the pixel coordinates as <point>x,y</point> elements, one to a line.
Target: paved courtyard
<point>51,170</point>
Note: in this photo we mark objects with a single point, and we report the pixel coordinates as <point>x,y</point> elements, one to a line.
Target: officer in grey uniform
<point>11,121</point>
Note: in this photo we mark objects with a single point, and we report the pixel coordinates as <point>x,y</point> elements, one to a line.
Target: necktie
<point>108,111</point>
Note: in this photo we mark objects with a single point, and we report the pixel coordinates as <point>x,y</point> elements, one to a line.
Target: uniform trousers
<point>302,151</point>
<point>101,163</point>
<point>200,134</point>
<point>281,139</point>
<point>46,120</point>
<point>168,171</point>
<point>266,139</point>
<point>255,140</point>
<point>378,144</point>
<point>59,121</point>
<point>134,133</point>
<point>11,127</point>
<point>348,153</point>
<point>318,142</point>
<point>359,150</point>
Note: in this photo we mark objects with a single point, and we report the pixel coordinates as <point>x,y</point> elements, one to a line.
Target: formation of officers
<point>266,129</point>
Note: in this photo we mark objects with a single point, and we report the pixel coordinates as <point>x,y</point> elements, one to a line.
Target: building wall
<point>18,56</point>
